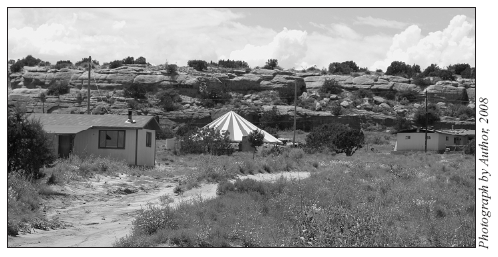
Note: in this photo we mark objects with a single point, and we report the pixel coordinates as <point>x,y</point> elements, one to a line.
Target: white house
<point>437,140</point>
<point>115,136</point>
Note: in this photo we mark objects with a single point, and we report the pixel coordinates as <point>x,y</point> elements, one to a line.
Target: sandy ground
<point>101,210</point>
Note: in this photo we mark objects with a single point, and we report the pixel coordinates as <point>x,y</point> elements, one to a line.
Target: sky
<point>296,37</point>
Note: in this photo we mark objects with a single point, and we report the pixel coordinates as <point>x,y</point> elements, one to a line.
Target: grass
<point>25,196</point>
<point>367,200</point>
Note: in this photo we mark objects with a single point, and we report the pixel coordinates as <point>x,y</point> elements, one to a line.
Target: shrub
<point>171,69</point>
<point>419,80</point>
<point>401,123</point>
<point>470,148</point>
<point>165,133</point>
<point>446,75</point>
<point>58,88</point>
<point>63,64</point>
<point>271,64</point>
<point>115,64</point>
<point>232,64</point>
<point>339,68</point>
<point>256,138</point>
<point>84,63</point>
<point>185,129</point>
<point>198,65</point>
<point>321,137</point>
<point>169,99</point>
<point>459,68</point>
<point>410,95</point>
<point>432,115</point>
<point>336,110</point>
<point>431,71</point>
<point>378,70</point>
<point>362,93</point>
<point>141,60</point>
<point>205,140</point>
<point>129,60</point>
<point>28,146</point>
<point>135,91</point>
<point>331,86</point>
<point>466,74</point>
<point>16,67</point>
<point>398,68</point>
<point>349,141</point>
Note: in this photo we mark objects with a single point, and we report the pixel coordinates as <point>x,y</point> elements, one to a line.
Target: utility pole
<point>295,110</point>
<point>426,120</point>
<point>88,95</point>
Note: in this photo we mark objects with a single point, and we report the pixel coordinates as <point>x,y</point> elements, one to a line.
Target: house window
<point>447,138</point>
<point>456,140</point>
<point>407,137</point>
<point>148,139</point>
<point>114,139</point>
<point>428,137</point>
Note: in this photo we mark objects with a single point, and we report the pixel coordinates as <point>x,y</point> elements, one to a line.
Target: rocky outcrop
<point>280,82</point>
<point>245,83</point>
<point>446,92</point>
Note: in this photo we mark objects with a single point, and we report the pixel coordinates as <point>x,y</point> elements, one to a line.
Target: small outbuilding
<point>437,140</point>
<point>116,136</point>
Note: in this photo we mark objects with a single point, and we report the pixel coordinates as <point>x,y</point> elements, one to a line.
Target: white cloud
<point>340,30</point>
<point>288,47</point>
<point>118,24</point>
<point>378,22</point>
<point>455,44</point>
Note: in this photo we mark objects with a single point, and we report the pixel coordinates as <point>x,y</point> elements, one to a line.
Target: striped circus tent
<point>238,127</point>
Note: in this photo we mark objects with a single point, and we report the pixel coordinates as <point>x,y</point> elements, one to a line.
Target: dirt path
<point>100,214</point>
<point>102,210</point>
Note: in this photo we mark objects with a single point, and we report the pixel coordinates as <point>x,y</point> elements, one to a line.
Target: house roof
<point>74,123</point>
<point>454,132</point>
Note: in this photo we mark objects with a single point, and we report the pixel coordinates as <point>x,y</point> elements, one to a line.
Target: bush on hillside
<point>135,91</point>
<point>432,115</point>
<point>171,69</point>
<point>198,65</point>
<point>446,75</point>
<point>331,86</point>
<point>58,88</point>
<point>169,99</point>
<point>398,68</point>
<point>115,64</point>
<point>459,68</point>
<point>431,71</point>
<point>410,95</point>
<point>29,148</point>
<point>141,60</point>
<point>271,64</point>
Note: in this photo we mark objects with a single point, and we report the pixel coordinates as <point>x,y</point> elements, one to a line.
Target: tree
<point>43,98</point>
<point>352,65</point>
<point>28,146</point>
<point>432,115</point>
<point>141,60</point>
<point>339,68</point>
<point>256,138</point>
<point>198,65</point>
<point>271,64</point>
<point>17,66</point>
<point>459,68</point>
<point>63,64</point>
<point>398,68</point>
<point>115,64</point>
<point>466,74</point>
<point>431,71</point>
<point>446,75</point>
<point>129,60</point>
<point>349,141</point>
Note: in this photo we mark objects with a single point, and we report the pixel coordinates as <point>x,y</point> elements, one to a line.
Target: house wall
<point>86,143</point>
<point>145,155</point>
<point>417,142</point>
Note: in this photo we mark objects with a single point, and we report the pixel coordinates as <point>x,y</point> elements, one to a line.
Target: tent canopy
<point>238,127</point>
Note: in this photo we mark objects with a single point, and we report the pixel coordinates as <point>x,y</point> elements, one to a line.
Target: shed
<point>437,140</point>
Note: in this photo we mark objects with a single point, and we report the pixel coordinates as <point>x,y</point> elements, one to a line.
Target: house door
<point>65,145</point>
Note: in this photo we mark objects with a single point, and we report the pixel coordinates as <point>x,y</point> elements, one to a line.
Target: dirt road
<point>101,210</point>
